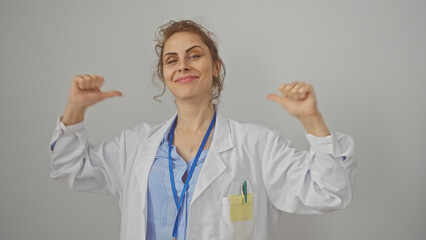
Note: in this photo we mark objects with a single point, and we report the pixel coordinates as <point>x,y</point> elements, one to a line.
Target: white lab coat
<point>279,177</point>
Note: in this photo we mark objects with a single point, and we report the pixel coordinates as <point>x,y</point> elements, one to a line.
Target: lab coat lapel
<point>144,160</point>
<point>214,165</point>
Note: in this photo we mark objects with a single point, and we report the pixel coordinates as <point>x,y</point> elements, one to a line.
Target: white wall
<point>366,59</point>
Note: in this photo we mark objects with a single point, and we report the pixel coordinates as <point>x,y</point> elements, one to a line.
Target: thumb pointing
<point>274,97</point>
<point>110,94</point>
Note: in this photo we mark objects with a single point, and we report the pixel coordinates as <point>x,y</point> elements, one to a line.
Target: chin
<point>194,98</point>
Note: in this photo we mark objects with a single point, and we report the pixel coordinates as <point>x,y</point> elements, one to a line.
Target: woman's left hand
<point>298,98</point>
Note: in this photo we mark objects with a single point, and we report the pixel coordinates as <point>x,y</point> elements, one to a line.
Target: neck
<point>194,116</point>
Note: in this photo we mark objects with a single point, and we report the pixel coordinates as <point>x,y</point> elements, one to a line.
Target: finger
<point>299,91</point>
<point>90,81</point>
<point>302,91</point>
<point>80,82</point>
<point>86,77</point>
<point>110,94</point>
<point>283,88</point>
<point>274,97</point>
<point>99,82</point>
<point>286,89</point>
<point>93,81</point>
<point>309,90</point>
<point>85,82</point>
<point>296,87</point>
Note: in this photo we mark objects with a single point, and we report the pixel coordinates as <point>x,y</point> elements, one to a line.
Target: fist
<point>85,91</point>
<point>298,98</point>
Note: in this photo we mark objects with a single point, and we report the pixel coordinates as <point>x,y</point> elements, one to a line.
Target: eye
<point>171,61</point>
<point>194,57</point>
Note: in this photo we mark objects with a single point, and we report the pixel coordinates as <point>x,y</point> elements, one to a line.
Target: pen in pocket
<point>243,190</point>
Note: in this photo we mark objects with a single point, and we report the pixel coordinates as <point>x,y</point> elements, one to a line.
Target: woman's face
<point>188,68</point>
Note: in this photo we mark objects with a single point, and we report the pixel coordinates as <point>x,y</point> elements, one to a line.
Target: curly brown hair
<point>164,32</point>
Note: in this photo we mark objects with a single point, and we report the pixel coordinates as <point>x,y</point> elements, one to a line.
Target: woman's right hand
<point>84,92</point>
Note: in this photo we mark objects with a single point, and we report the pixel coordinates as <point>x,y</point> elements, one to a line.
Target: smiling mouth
<point>186,79</point>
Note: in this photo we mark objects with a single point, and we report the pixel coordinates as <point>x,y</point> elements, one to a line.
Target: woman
<point>201,175</point>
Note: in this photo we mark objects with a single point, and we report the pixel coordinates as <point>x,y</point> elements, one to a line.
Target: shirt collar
<point>164,148</point>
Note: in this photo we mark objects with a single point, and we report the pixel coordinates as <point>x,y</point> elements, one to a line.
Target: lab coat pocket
<point>157,198</point>
<point>238,216</point>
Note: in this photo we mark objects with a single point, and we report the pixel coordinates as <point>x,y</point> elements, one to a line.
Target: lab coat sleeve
<point>97,168</point>
<point>309,182</point>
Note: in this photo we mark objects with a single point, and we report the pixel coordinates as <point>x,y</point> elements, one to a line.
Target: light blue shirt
<point>161,205</point>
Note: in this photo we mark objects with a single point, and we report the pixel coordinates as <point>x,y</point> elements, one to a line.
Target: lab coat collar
<point>144,160</point>
<point>222,140</point>
<point>213,166</point>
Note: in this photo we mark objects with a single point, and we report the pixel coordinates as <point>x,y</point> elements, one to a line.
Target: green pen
<point>245,190</point>
<point>242,192</point>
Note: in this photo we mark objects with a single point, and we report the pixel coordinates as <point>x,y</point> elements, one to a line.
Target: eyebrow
<point>187,50</point>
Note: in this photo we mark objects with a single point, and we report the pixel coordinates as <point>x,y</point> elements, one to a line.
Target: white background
<point>366,60</point>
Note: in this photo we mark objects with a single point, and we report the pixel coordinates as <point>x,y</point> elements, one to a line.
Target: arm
<point>97,168</point>
<point>75,162</point>
<point>317,181</point>
<point>309,182</point>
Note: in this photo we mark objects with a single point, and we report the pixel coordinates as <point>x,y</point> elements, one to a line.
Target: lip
<point>185,79</point>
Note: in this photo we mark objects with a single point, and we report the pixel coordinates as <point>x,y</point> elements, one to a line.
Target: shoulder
<point>142,131</point>
<point>250,130</point>
<point>251,139</point>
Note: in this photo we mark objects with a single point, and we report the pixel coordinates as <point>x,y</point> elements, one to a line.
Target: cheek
<point>168,74</point>
<point>207,70</point>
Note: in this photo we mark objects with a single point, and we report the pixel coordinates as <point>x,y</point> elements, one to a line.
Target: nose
<point>183,66</point>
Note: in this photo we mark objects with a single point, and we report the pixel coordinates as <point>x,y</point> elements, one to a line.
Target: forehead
<point>181,41</point>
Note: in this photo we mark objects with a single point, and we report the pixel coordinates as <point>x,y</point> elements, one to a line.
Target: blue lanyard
<point>172,179</point>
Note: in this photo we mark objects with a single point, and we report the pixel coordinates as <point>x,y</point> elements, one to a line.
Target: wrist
<point>314,117</point>
<point>314,124</point>
<point>73,114</point>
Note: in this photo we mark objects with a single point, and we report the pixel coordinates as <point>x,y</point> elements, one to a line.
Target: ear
<point>217,67</point>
